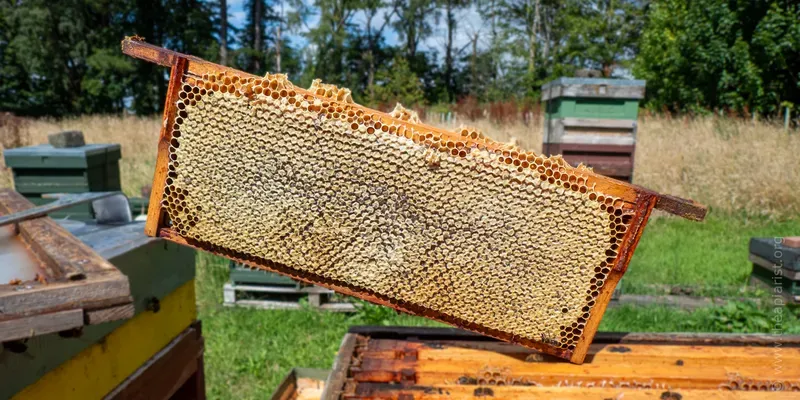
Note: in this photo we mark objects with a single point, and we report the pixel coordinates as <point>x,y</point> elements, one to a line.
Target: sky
<point>469,22</point>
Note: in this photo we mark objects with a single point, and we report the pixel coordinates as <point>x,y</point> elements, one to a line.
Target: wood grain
<point>155,214</point>
<point>42,324</point>
<point>442,392</point>
<point>164,373</point>
<point>108,314</point>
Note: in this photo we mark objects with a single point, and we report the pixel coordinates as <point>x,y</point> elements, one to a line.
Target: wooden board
<point>164,374</point>
<point>70,275</point>
<point>636,202</point>
<point>435,363</point>
<point>121,353</point>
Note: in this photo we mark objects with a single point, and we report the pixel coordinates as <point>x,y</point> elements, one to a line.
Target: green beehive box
<point>42,169</point>
<point>592,121</point>
<point>776,267</point>
<point>593,98</point>
<point>242,275</point>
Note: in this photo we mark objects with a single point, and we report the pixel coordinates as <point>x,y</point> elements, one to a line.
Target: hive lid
<point>594,87</point>
<point>57,283</point>
<point>47,156</point>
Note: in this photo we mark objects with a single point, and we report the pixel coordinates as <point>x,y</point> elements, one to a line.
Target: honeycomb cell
<point>506,240</point>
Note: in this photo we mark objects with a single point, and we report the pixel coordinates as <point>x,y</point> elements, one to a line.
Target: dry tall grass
<point>137,135</point>
<point>730,165</point>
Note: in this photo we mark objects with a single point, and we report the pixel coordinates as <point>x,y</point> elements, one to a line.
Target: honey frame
<point>639,201</point>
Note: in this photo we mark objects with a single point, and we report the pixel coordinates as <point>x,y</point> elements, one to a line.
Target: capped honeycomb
<point>480,232</point>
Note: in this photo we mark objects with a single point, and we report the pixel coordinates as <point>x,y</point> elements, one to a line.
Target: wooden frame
<point>638,200</point>
<point>433,363</point>
<point>75,286</point>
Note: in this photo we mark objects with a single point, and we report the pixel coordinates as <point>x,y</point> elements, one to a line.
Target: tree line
<point>63,58</point>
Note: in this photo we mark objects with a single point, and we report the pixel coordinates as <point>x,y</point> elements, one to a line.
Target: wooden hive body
<point>440,363</point>
<point>449,225</point>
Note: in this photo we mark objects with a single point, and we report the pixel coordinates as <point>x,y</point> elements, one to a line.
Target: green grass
<point>248,352</point>
<point>709,257</point>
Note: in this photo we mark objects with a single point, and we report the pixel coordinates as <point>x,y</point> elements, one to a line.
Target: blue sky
<point>470,21</point>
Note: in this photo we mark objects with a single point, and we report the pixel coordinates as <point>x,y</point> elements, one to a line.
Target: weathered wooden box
<point>406,363</point>
<point>593,121</point>
<point>43,169</point>
<point>776,267</point>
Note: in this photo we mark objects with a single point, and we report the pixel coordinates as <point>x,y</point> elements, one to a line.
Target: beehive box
<point>406,363</point>
<point>42,169</point>
<point>593,122</point>
<point>448,225</point>
<point>776,267</point>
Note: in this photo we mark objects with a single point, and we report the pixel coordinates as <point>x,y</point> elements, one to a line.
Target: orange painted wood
<point>446,392</point>
<point>155,214</point>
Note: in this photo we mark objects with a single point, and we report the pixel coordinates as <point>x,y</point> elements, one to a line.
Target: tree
<point>223,32</point>
<point>413,25</point>
<point>373,32</point>
<point>63,58</point>
<point>716,54</point>
<point>330,38</point>
<point>396,83</point>
<point>450,9</point>
<point>606,34</point>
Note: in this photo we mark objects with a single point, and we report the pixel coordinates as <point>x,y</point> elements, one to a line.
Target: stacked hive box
<point>155,354</point>
<point>43,169</point>
<point>593,121</point>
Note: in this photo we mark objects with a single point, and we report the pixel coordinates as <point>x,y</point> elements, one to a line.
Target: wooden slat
<point>334,386</point>
<point>22,328</point>
<point>93,292</point>
<point>59,204</point>
<point>66,257</point>
<point>108,314</point>
<point>155,214</point>
<point>163,374</point>
<point>442,392</point>
<point>506,354</point>
<point>558,374</point>
<point>698,339</point>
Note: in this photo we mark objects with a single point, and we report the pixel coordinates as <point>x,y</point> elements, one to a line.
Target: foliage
<point>62,58</point>
<point>396,83</point>
<point>740,55</point>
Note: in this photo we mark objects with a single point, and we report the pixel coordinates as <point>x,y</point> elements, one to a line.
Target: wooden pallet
<point>404,363</point>
<point>269,297</point>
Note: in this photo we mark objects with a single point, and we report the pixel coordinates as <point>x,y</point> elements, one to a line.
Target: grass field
<point>746,172</point>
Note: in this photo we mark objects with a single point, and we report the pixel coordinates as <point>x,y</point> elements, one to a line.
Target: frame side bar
<point>155,214</point>
<point>631,238</point>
